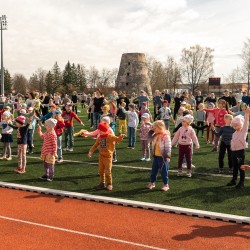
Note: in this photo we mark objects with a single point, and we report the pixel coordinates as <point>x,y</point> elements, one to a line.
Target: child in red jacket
<point>68,117</point>
<point>57,114</point>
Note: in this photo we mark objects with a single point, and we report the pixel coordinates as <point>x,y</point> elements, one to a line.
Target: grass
<point>204,192</point>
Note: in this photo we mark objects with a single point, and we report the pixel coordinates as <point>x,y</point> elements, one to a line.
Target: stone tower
<point>133,74</point>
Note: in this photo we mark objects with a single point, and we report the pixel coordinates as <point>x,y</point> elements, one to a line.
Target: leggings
<point>7,149</point>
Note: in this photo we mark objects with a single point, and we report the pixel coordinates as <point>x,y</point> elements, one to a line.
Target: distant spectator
<point>167,97</point>
<point>227,98</point>
<point>233,99</point>
<point>177,104</point>
<point>245,98</point>
<point>157,101</point>
<point>198,99</point>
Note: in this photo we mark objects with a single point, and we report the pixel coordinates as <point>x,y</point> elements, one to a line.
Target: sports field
<point>206,190</point>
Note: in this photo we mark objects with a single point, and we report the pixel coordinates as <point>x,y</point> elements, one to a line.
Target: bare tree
<point>38,80</point>
<point>93,77</point>
<point>246,61</point>
<point>196,65</point>
<point>172,74</point>
<point>234,78</point>
<point>19,83</point>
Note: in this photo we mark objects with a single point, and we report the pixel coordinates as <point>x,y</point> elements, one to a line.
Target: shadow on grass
<point>215,232</point>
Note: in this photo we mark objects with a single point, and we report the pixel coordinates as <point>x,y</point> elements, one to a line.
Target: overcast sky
<point>97,32</point>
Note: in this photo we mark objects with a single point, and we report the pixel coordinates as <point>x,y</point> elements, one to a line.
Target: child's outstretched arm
<point>93,148</point>
<point>245,167</point>
<point>39,130</point>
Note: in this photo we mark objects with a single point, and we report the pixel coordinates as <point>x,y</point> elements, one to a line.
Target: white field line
<point>141,168</point>
<point>81,233</point>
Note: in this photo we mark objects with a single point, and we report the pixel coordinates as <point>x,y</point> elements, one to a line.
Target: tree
<point>57,77</point>
<point>7,82</point>
<point>49,82</point>
<point>234,78</point>
<point>74,75</point>
<point>172,74</point>
<point>81,77</point>
<point>37,81</point>
<point>19,83</point>
<point>196,65</point>
<point>67,80</point>
<point>93,77</point>
<point>246,61</point>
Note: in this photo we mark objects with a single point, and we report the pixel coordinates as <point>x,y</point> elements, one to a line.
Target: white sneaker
<point>192,166</point>
<point>147,159</point>
<point>70,149</point>
<point>65,149</point>
<point>179,173</point>
<point>189,174</point>
<point>142,159</point>
<point>59,161</point>
<point>184,165</point>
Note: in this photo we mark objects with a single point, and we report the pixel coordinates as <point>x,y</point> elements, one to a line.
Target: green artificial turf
<point>202,191</point>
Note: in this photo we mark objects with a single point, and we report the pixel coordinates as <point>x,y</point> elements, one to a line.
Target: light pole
<point>3,23</point>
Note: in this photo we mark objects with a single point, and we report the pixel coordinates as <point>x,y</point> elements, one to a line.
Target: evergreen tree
<point>57,77</point>
<point>74,75</point>
<point>49,82</point>
<point>7,82</point>
<point>67,78</point>
<point>81,77</point>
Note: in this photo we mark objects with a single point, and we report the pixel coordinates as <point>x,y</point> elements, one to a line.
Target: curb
<point>130,203</point>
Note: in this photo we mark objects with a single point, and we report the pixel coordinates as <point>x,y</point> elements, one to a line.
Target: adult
<point>191,101</point>
<point>142,98</point>
<point>245,98</point>
<point>30,101</point>
<point>167,97</point>
<point>227,98</point>
<point>198,99</point>
<point>83,100</point>
<point>57,99</point>
<point>177,104</point>
<point>65,100</point>
<point>211,99</point>
<point>98,103</point>
<point>74,100</point>
<point>123,98</point>
<point>157,102</point>
<point>233,99</point>
<point>45,98</point>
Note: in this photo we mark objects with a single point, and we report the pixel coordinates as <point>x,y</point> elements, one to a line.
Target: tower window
<point>127,74</point>
<point>128,63</point>
<point>127,83</point>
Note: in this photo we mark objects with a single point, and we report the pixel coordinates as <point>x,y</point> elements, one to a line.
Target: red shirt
<point>219,116</point>
<point>68,118</point>
<point>59,127</point>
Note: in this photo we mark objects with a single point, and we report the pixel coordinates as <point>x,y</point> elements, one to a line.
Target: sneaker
<point>208,142</point>
<point>147,159</point>
<point>70,149</point>
<point>3,158</point>
<point>109,187</point>
<point>189,174</point>
<point>44,177</point>
<point>49,179</point>
<point>221,171</point>
<point>66,149</point>
<point>9,158</point>
<point>184,165</point>
<point>239,185</point>
<point>59,161</point>
<point>129,147</point>
<point>179,173</point>
<point>132,147</point>
<point>231,183</point>
<point>192,166</point>
<point>151,185</point>
<point>142,159</point>
<point>114,160</point>
<point>21,171</point>
<point>100,186</point>
<point>165,187</point>
<point>17,170</point>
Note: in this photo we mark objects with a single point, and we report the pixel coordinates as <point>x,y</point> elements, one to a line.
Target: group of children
<point>232,130</point>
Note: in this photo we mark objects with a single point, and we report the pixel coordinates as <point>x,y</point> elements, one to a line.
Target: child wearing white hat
<point>49,148</point>
<point>185,136</point>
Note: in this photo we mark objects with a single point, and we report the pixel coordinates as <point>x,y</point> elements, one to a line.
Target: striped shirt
<point>49,143</point>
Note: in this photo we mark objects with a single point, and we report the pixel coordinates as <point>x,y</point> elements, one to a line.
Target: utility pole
<point>3,26</point>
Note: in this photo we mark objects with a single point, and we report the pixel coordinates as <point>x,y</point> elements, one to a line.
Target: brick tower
<point>133,74</point>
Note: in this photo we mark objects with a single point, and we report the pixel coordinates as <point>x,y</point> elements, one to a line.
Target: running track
<point>37,221</point>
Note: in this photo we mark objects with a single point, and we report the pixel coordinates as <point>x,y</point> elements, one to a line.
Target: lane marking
<point>81,233</point>
<point>141,168</point>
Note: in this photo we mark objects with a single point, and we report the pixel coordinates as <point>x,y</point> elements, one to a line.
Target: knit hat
<point>52,106</point>
<point>30,109</point>
<point>24,105</point>
<point>145,115</point>
<point>69,104</point>
<point>106,119</point>
<point>239,119</point>
<point>57,112</point>
<point>103,126</point>
<point>20,119</point>
<point>51,122</point>
<point>7,113</point>
<point>22,111</point>
<point>166,101</point>
<point>211,104</point>
<point>188,118</point>
<point>243,104</point>
<point>144,103</point>
<point>183,103</point>
<point>7,107</point>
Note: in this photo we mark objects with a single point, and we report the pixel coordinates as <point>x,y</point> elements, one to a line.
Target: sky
<point>97,32</point>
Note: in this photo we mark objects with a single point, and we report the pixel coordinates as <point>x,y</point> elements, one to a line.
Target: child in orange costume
<point>106,144</point>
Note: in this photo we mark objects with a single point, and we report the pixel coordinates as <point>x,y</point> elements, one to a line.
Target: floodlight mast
<point>3,26</point>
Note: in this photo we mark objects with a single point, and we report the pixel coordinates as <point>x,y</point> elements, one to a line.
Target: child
<point>49,148</point>
<point>219,120</point>
<point>6,135</point>
<point>106,144</point>
<point>179,116</point>
<point>113,107</point>
<point>57,114</point>
<point>226,133</point>
<point>200,117</point>
<point>105,111</point>
<point>210,118</point>
<point>238,145</point>
<point>185,136</point>
<point>68,117</point>
<point>161,148</point>
<point>165,114</point>
<point>122,119</point>
<point>22,135</point>
<point>144,109</point>
<point>133,122</point>
<point>146,126</point>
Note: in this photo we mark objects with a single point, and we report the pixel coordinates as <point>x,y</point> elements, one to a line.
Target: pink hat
<point>144,103</point>
<point>239,119</point>
<point>165,101</point>
<point>20,119</point>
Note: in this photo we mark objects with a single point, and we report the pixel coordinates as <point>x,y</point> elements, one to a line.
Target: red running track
<point>37,221</point>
